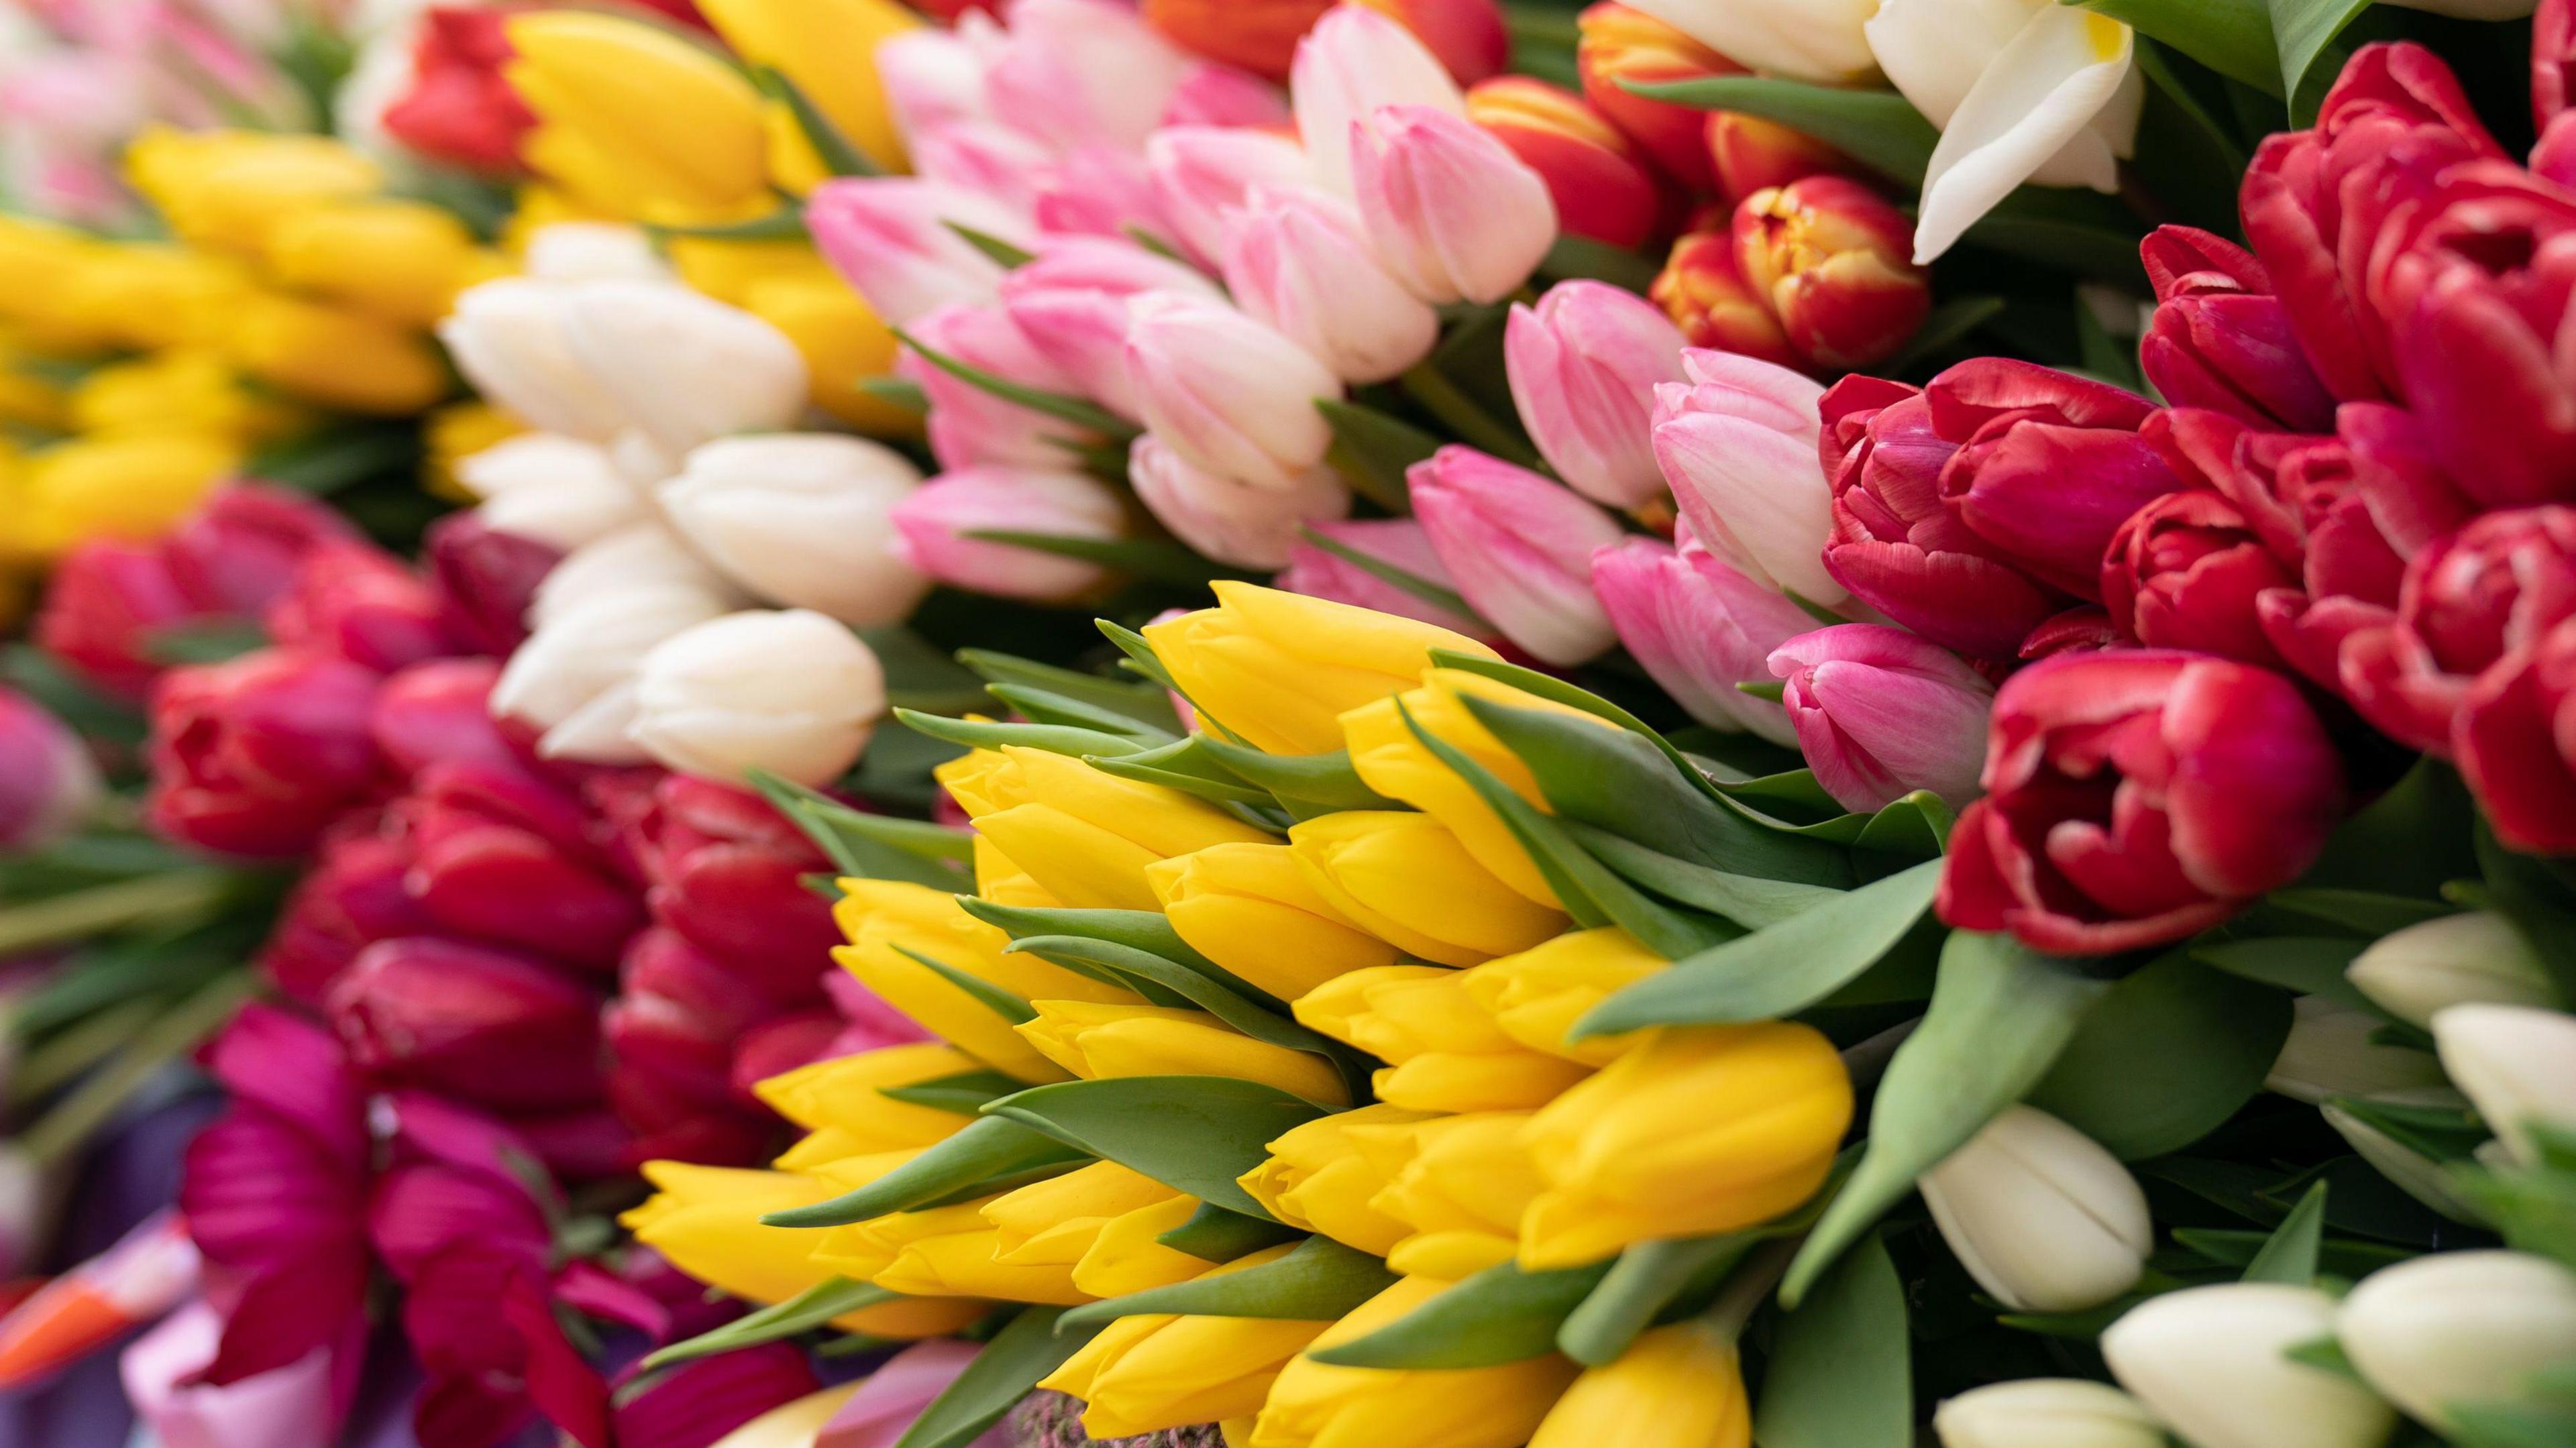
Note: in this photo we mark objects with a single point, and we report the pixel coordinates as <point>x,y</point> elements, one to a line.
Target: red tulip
<point>469,1021</point>
<point>439,713</point>
<point>360,603</point>
<point>2515,736</point>
<point>103,608</point>
<point>488,578</point>
<point>671,1034</point>
<point>242,547</point>
<point>1601,184</point>
<point>2468,604</point>
<point>1704,290</point>
<point>2553,85</point>
<point>2183,573</point>
<point>2137,797</point>
<point>504,856</point>
<point>727,872</point>
<point>2221,340</point>
<point>1620,46</point>
<point>353,896</point>
<point>459,109</point>
<point>2049,465</point>
<point>1833,261</point>
<point>1748,154</point>
<point>256,755</point>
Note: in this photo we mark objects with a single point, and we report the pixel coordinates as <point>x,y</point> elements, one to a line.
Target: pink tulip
<point>886,1404</point>
<point>969,426</point>
<point>1699,628</point>
<point>1220,95</point>
<point>1738,444</point>
<point>1454,213</point>
<point>1084,73</point>
<point>1520,548</point>
<point>993,161</point>
<point>289,1405</point>
<point>1230,521</point>
<point>935,77</point>
<point>1298,262</point>
<point>1100,191</point>
<point>1584,365</point>
<point>890,237</point>
<point>931,526</point>
<point>1071,306</point>
<point>1354,61</point>
<point>1400,542</point>
<point>47,782</point>
<point>1226,393</point>
<point>1201,173</point>
<point>1881,714</point>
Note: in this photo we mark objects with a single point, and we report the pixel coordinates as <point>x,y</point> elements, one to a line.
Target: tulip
<point>1071,306</point>
<point>2458,1328</point>
<point>1248,908</point>
<point>1400,542</point>
<point>491,1027</point>
<point>1880,714</point>
<point>115,487</point>
<point>1226,393</point>
<point>223,189</point>
<point>2477,958</point>
<point>2330,1052</point>
<point>1085,835</point>
<point>353,896</point>
<point>181,391</point>
<point>2042,1217</point>
<point>673,1035</point>
<point>1064,1221</point>
<point>163,1377</point>
<point>1408,881</point>
<point>400,260</point>
<point>2221,340</point>
<point>555,489</point>
<point>1583,366</point>
<point>935,76</point>
<point>892,238</point>
<point>2508,749</point>
<point>256,755</point>
<point>779,514</point>
<point>686,369</point>
<point>1601,184</point>
<point>791,692</point>
<point>357,602</point>
<point>1152,1372</point>
<point>1354,63</point>
<point>1097,1042</point>
<point>510,339</point>
<point>1699,628</point>
<point>1464,1192</point>
<point>940,1252</point>
<point>1326,1175</point>
<point>934,524</point>
<point>2023,432</point>
<point>1620,46</point>
<point>244,544</point>
<point>1827,255</point>
<point>970,426</point>
<point>1297,261</point>
<point>456,108</point>
<point>1521,549</point>
<point>1738,442</point>
<point>1488,1407</point>
<point>843,341</point>
<point>1229,521</point>
<point>1795,38</point>
<point>2488,591</point>
<point>2045,1413</point>
<point>105,603</point>
<point>827,50</point>
<point>642,557</point>
<point>1680,1386</point>
<point>2186,572</point>
<point>638,120</point>
<point>1699,1130</point>
<point>842,1105</point>
<point>48,784</point>
<point>1455,215</point>
<point>1443,1052</point>
<point>888,1400</point>
<point>1083,72</point>
<point>2419,1176</point>
<point>2212,1364</point>
<point>2514,1064</point>
<point>575,677</point>
<point>1279,670</point>
<point>1202,173</point>
<point>1537,996</point>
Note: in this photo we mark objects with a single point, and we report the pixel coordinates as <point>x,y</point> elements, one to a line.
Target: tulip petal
<point>2037,95</point>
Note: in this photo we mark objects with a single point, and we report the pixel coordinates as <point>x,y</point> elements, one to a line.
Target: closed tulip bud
<point>1098,1042</point>
<point>1299,263</point>
<point>593,251</point>
<point>1325,1176</point>
<point>1071,305</point>
<point>1201,174</point>
<point>1601,184</point>
<point>1085,835</point>
<point>1703,289</point>
<point>1406,879</point>
<point>827,48</point>
<point>575,676</point>
<point>2330,1053</point>
<point>1354,62</point>
<point>1463,1192</point>
<point>399,260</point>
<point>1536,996</point>
<point>1881,714</point>
<point>1443,1051</point>
<point>335,357</point>
<point>842,1105</point>
<point>2478,958</point>
<point>258,754</point>
<point>932,525</point>
<point>1584,364</point>
<point>1455,215</point>
<point>891,237</point>
<point>1750,155</point>
<point>557,490</point>
<point>509,338</point>
<point>1226,393</point>
<point>1830,256</point>
<point>2459,1328</point>
<point>1621,46</point>
<point>1230,521</point>
<point>1699,628</point>
<point>1489,1407</point>
<point>1680,1386</point>
<point>687,369</point>
<point>971,427</point>
<point>491,1027</point>
<point>2517,1063</point>
<point>941,1252</point>
<point>102,487</point>
<point>1153,1371</point>
<point>1248,908</point>
<point>2041,1215</point>
<point>640,557</point>
<point>802,519</point>
<point>1280,669</point>
<point>1062,1221</point>
<point>2046,1413</point>
<point>223,189</point>
<point>1738,444</point>
<point>2212,1364</point>
<point>357,602</point>
<point>1315,573</point>
<point>1520,547</point>
<point>790,692</point>
<point>1699,1130</point>
<point>47,782</point>
<point>637,119</point>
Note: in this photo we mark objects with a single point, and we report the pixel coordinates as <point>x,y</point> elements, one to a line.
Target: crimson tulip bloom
<point>257,755</point>
<point>2221,340</point>
<point>469,1021</point>
<point>2469,603</point>
<point>503,855</point>
<point>358,602</point>
<point>2516,739</point>
<point>2049,465</point>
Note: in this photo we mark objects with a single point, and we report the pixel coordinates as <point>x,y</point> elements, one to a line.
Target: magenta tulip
<point>1881,713</point>
<point>2468,604</point>
<point>2221,340</point>
<point>258,754</point>
<point>477,1023</point>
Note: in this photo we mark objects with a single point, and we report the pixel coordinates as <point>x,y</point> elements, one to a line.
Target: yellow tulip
<point>844,343</point>
<point>1463,1194</point>
<point>1130,1257</point>
<point>227,190</point>
<point>141,298</point>
<point>843,1107</point>
<point>1004,883</point>
<point>403,261</point>
<point>1680,1386</point>
<point>1393,762</point>
<point>1101,1222</point>
<point>1097,1042</point>
<point>116,486</point>
<point>1279,669</point>
<point>336,357</point>
<point>1324,1176</point>
<point>1407,880</point>
<point>706,1220</point>
<point>182,390</point>
<point>42,261</point>
<point>1250,909</point>
<point>943,1252</point>
<point>1443,1051</point>
<point>828,48</point>
<point>882,919</point>
<point>1695,1131</point>
<point>1318,1405</point>
<point>456,432</point>
<point>1154,1371</point>
<point>635,119</point>
<point>1536,996</point>
<point>1085,836</point>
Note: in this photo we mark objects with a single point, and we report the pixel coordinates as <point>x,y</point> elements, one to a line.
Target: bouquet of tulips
<point>1413,723</point>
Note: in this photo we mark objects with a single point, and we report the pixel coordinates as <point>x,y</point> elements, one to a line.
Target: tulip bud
<point>2517,1063</point>
<point>1830,257</point>
<point>2212,1364</point>
<point>2474,959</point>
<point>1086,836</point>
<point>1600,183</point>
<point>1071,306</point>
<point>593,251</point>
<point>1521,549</point>
<point>1353,63</point>
<point>1248,908</point>
<point>575,676</point>
<point>970,426</point>
<point>1226,393</point>
<point>791,692</point>
<point>645,555</point>
<point>1454,213</point>
<point>1407,880</point>
<point>258,754</point>
<point>1621,47</point>
<point>890,237</point>
<point>2041,1215</point>
<point>1320,1403</point>
<point>1678,1386</point>
<point>482,1024</point>
<point>1298,263</point>
<point>1699,628</point>
<point>2330,1053</point>
<point>1584,365</point>
<point>555,489</point>
<point>685,368</point>
<point>1161,1375</point>
<point>357,602</point>
<point>801,519</point>
<point>2411,1171</point>
<point>510,339</point>
<point>1201,173</point>
<point>1315,573</point>
<point>1443,1052</point>
<point>47,782</point>
<point>1881,714</point>
<point>1226,520</point>
<point>2459,1328</point>
<point>1097,1042</point>
<point>1463,1191</point>
<point>1738,444</point>
<point>2046,1413</point>
<point>932,525</point>
<point>1749,154</point>
<point>1702,288</point>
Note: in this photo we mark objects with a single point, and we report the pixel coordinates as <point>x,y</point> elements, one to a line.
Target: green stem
<point>60,1132</point>
<point>1463,416</point>
<point>77,1048</point>
<point>82,913</point>
<point>1750,1287</point>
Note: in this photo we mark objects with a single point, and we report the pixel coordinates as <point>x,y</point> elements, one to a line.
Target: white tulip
<point>685,368</point>
<point>2023,91</point>
<point>558,490</point>
<point>2459,1327</point>
<point>2046,1413</point>
<point>2417,1175</point>
<point>2040,1214</point>
<point>574,678</point>
<point>1819,40</point>
<point>801,519</point>
<point>509,339</point>
<point>2210,1363</point>
<point>791,692</point>
<point>2517,1063</point>
<point>2330,1053</point>
<point>644,555</point>
<point>2476,958</point>
<point>595,251</point>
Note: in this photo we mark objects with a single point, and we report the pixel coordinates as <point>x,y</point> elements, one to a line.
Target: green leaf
<point>987,1148</point>
<point>2290,1256</point>
<point>992,246</point>
<point>1778,970</point>
<point>337,458</point>
<point>869,846</point>
<point>1082,413</point>
<point>1062,739</point>
<point>1640,1284</point>
<point>2166,1057</point>
<point>1147,768</point>
<point>1139,701</point>
<point>837,152</point>
<point>1045,706</point>
<point>2084,232</point>
<point>1372,451</point>
<point>1951,323</point>
<point>1324,780</point>
<point>1999,1017</point>
<point>900,392</point>
<point>2301,32</point>
<point>1213,1234</point>
<point>1158,560</point>
<point>2232,37</point>
<point>2367,913</point>
<point>2409,841</point>
<point>964,1094</point>
<point>1580,258</point>
<point>1877,128</point>
<point>1748,900</point>
<point>1840,1374</point>
<point>1440,395</point>
<point>1194,1134</point>
<point>1034,1344</point>
<point>2309,965</point>
<point>204,643</point>
<point>1139,652</point>
<point>2537,899</point>
<point>785,224</point>
<point>815,1307</point>
<point>1438,595</point>
<point>92,714</point>
<point>1198,988</point>
<point>1143,930</point>
<point>986,994</point>
<point>918,675</point>
<point>1318,1280</point>
<point>1500,1315</point>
